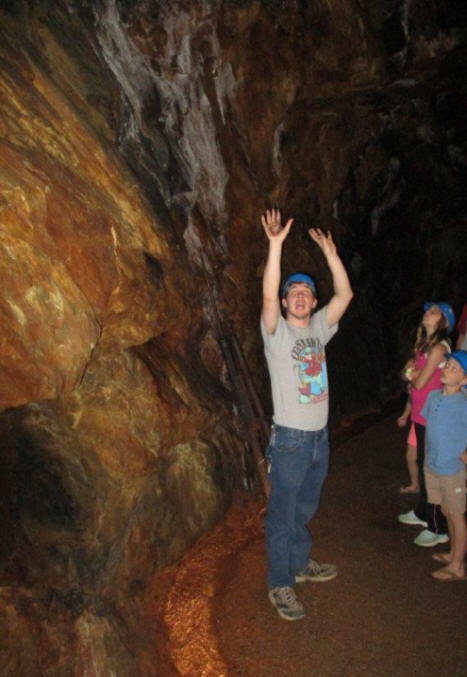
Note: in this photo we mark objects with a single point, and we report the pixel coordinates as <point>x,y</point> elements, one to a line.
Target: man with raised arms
<point>298,450</point>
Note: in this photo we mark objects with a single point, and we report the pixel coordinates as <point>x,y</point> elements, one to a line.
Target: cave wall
<point>139,143</point>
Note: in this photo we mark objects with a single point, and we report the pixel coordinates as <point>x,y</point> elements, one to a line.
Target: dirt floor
<point>383,615</point>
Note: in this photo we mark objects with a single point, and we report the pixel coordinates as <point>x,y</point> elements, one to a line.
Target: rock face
<point>139,143</point>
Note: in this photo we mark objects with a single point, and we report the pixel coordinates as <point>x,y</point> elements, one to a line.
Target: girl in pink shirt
<point>423,371</point>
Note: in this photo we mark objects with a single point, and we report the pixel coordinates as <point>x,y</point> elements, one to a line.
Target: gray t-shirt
<point>297,368</point>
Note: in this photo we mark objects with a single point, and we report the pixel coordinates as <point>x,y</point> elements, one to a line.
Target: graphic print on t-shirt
<point>311,370</point>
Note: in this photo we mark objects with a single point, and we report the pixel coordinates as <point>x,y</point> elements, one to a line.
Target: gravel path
<point>383,615</point>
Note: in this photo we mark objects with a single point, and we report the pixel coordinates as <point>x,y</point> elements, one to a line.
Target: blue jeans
<point>299,465</point>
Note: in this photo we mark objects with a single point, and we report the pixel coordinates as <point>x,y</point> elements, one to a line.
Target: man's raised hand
<point>272,224</point>
<point>324,241</point>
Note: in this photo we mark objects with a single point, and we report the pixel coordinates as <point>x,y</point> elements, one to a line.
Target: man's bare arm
<point>276,234</point>
<point>342,290</point>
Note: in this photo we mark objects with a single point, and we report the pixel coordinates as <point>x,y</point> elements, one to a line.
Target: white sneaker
<point>428,539</point>
<point>411,518</point>
<point>316,572</point>
<point>286,603</point>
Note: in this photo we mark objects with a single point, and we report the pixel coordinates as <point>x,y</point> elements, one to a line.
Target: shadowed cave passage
<point>139,144</point>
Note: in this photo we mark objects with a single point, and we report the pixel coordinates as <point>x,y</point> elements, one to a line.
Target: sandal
<point>445,575</point>
<point>442,557</point>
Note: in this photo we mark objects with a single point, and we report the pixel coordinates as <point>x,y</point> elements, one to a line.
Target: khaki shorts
<point>447,490</point>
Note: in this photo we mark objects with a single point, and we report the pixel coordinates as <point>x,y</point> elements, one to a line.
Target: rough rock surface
<point>139,142</point>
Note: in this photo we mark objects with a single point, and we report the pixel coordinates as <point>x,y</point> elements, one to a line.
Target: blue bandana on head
<point>445,309</point>
<point>298,277</point>
<point>460,356</point>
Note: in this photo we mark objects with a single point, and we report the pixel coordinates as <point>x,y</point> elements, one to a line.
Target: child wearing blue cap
<point>423,372</point>
<point>446,457</point>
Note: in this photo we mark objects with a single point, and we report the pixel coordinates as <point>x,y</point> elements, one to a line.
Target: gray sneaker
<point>428,539</point>
<point>286,603</point>
<point>411,518</point>
<point>316,572</point>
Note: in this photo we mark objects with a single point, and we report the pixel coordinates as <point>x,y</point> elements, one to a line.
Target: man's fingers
<point>271,221</point>
<point>273,214</point>
<point>318,235</point>
<point>268,219</point>
<point>275,218</point>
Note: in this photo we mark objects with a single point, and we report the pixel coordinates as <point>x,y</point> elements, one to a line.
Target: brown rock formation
<point>138,144</point>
